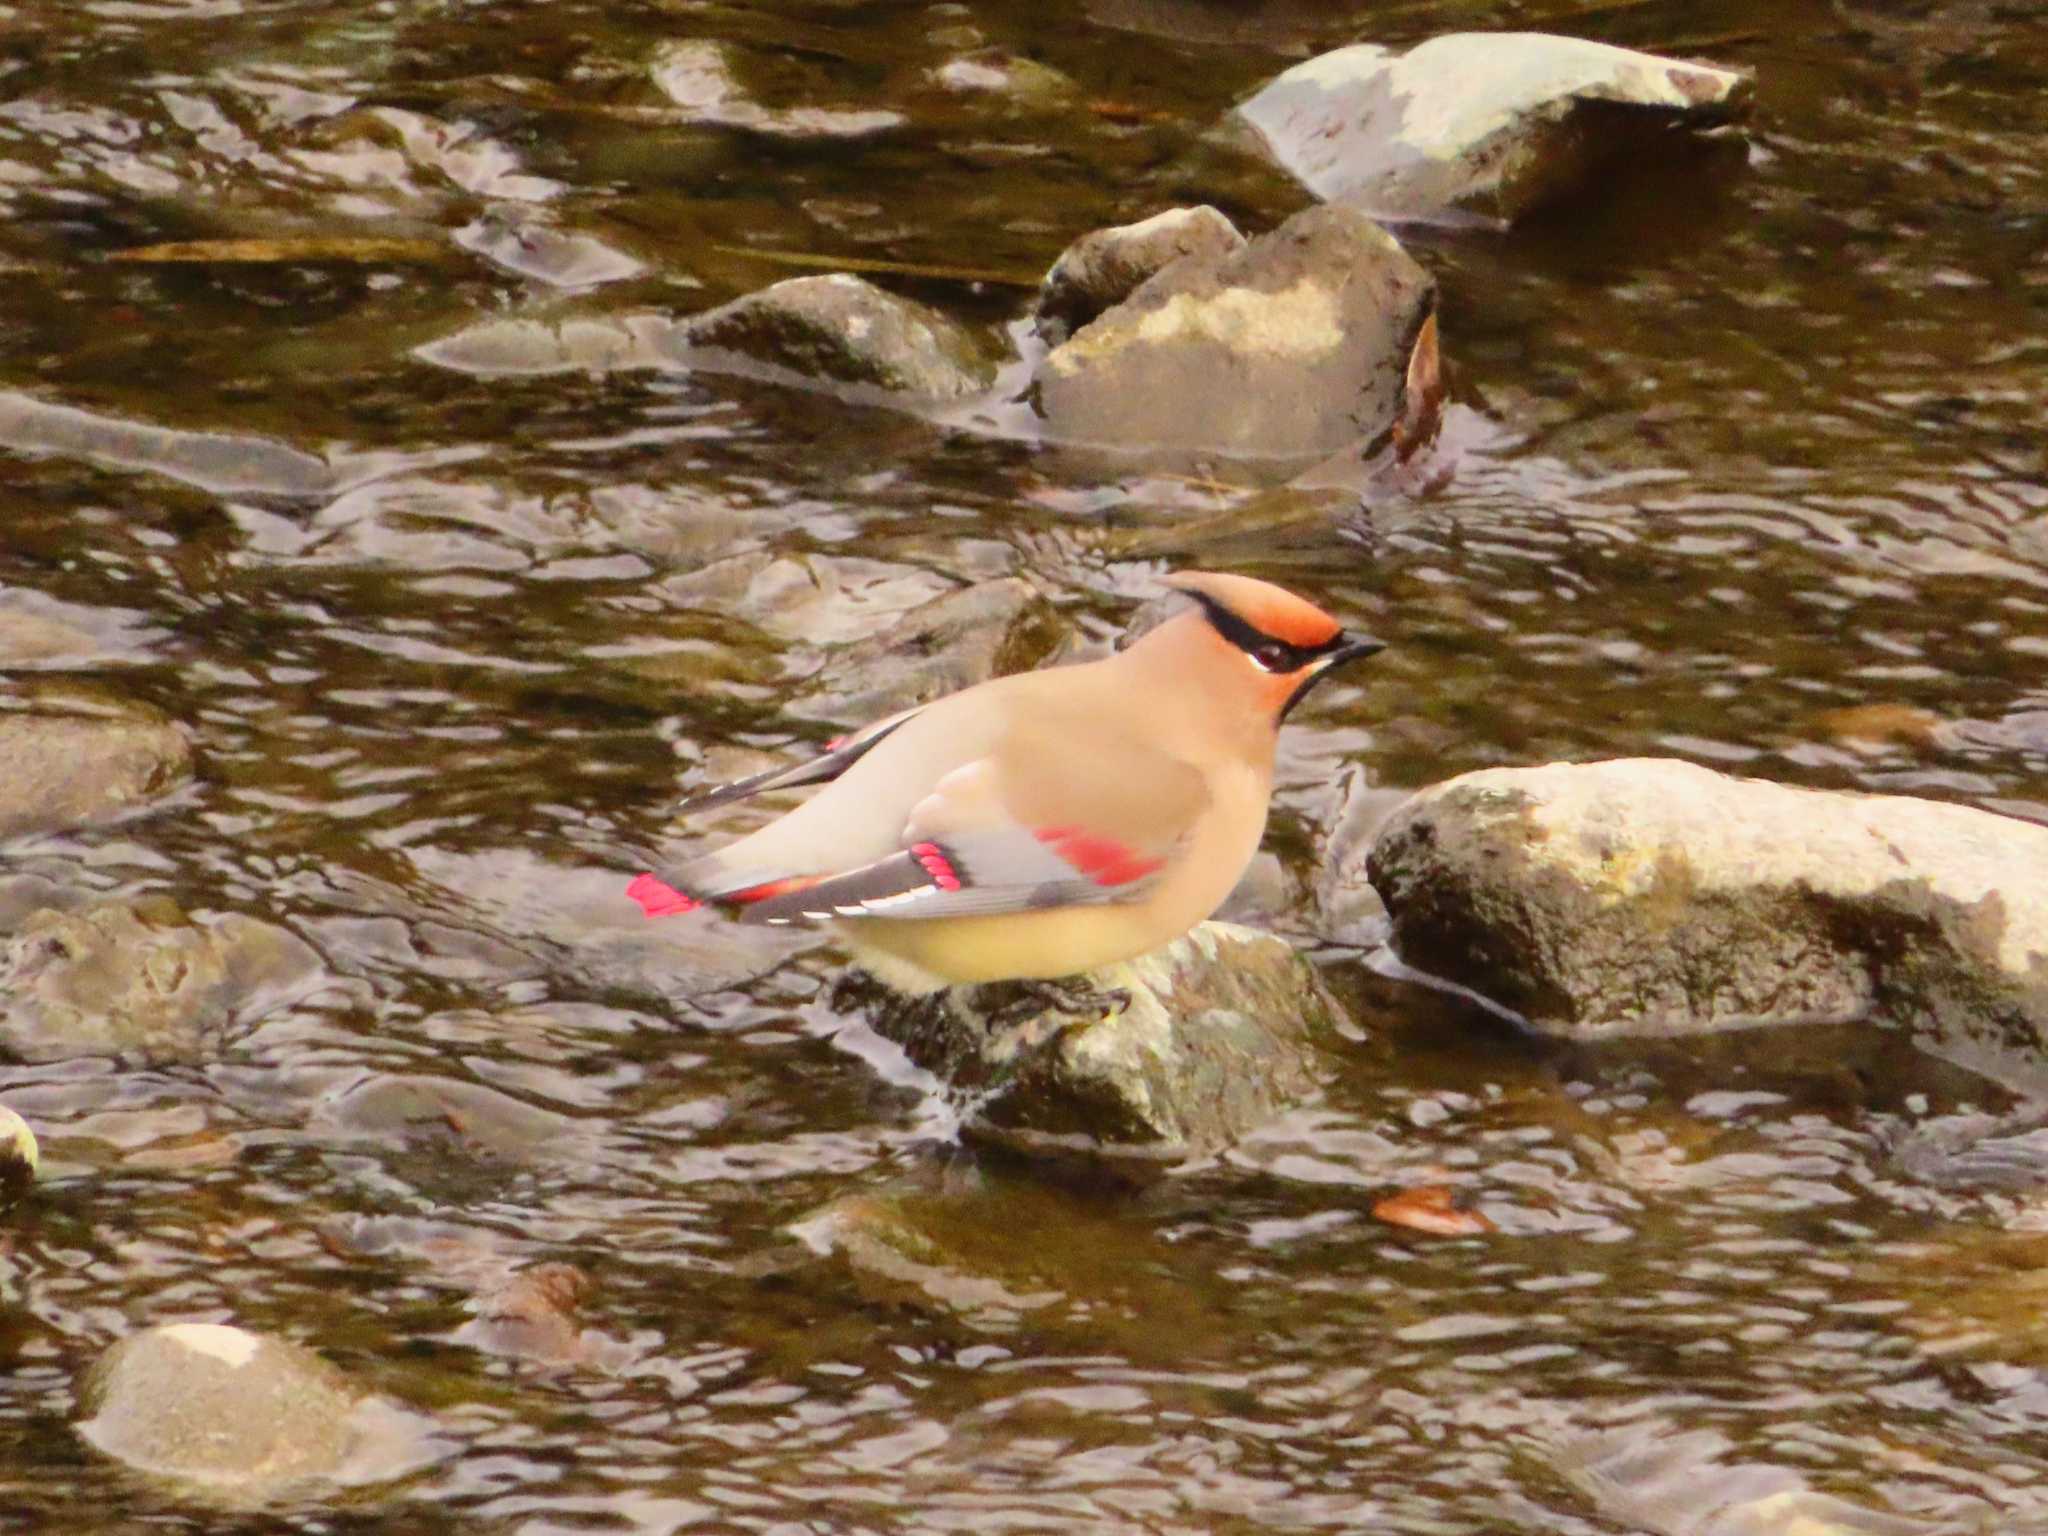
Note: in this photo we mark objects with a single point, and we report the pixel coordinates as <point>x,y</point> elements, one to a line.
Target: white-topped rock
<point>1478,124</point>
<point>219,1406</point>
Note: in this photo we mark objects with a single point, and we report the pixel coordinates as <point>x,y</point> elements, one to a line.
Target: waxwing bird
<point>1041,824</point>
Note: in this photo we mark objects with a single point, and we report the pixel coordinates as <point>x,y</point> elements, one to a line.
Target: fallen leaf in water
<point>319,250</point>
<point>1126,112</point>
<point>533,1316</point>
<point>1430,1210</point>
<point>1422,396</point>
<point>1877,724</point>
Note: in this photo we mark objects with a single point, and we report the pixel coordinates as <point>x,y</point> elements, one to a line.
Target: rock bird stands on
<point>1043,824</point>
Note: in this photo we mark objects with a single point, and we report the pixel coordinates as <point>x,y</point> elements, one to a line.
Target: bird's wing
<point>1044,820</point>
<point>658,898</point>
<point>839,755</point>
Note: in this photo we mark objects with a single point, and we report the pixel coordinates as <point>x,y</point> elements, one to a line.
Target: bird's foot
<point>856,991</point>
<point>1076,1002</point>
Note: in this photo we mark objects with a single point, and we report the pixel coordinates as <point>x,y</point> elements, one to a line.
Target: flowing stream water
<point>1745,464</point>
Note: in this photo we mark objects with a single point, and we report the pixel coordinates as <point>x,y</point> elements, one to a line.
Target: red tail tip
<point>658,899</point>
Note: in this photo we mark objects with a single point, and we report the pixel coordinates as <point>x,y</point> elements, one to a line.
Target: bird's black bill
<point>1349,651</point>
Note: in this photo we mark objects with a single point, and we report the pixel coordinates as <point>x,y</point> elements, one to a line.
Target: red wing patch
<point>1102,859</point>
<point>931,858</point>
<point>769,889</point>
<point>657,898</point>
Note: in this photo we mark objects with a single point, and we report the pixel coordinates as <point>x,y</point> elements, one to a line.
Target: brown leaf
<point>1879,724</point>
<point>1430,1209</point>
<point>532,1316</point>
<point>1126,112</point>
<point>1422,395</point>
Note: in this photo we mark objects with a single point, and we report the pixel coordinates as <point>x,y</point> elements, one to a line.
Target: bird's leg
<point>850,991</point>
<point>1073,998</point>
<point>1084,1001</point>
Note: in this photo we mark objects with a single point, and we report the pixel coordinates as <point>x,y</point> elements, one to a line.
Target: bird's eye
<point>1272,656</point>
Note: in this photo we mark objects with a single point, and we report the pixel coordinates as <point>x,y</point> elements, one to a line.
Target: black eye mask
<point>1269,651</point>
<point>1283,657</point>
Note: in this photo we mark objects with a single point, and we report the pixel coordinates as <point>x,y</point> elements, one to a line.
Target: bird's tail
<point>657,898</point>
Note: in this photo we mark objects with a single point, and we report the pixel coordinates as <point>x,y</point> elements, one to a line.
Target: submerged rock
<point>1651,1475</point>
<point>521,242</point>
<point>58,772</point>
<point>1491,124</point>
<point>838,329</point>
<point>30,639</point>
<point>821,332</point>
<point>826,331</point>
<point>1649,896</point>
<point>495,348</point>
<point>1221,1034</point>
<point>1348,910</point>
<point>1019,83</point>
<point>141,981</point>
<point>1291,348</point>
<point>952,642</point>
<point>234,1411</point>
<point>897,1260</point>
<point>224,463</point>
<point>697,75</point>
<point>40,632</point>
<point>1977,1152</point>
<point>394,1110</point>
<point>996,1253</point>
<point>1105,266</point>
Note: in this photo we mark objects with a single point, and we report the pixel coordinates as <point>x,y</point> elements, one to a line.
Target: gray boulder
<point>140,980</point>
<point>1289,349</point>
<point>837,329</point>
<point>1221,1034</point>
<point>61,771</point>
<point>233,1411</point>
<point>1650,896</point>
<point>1104,266</point>
<point>1488,125</point>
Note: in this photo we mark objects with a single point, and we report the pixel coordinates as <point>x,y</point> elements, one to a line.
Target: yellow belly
<point>919,956</point>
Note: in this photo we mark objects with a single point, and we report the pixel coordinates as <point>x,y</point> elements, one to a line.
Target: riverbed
<point>1743,462</point>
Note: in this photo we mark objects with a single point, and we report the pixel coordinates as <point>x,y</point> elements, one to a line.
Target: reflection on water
<point>1746,467</point>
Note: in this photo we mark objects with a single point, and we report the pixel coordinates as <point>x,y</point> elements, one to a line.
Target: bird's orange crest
<point>1269,609</point>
